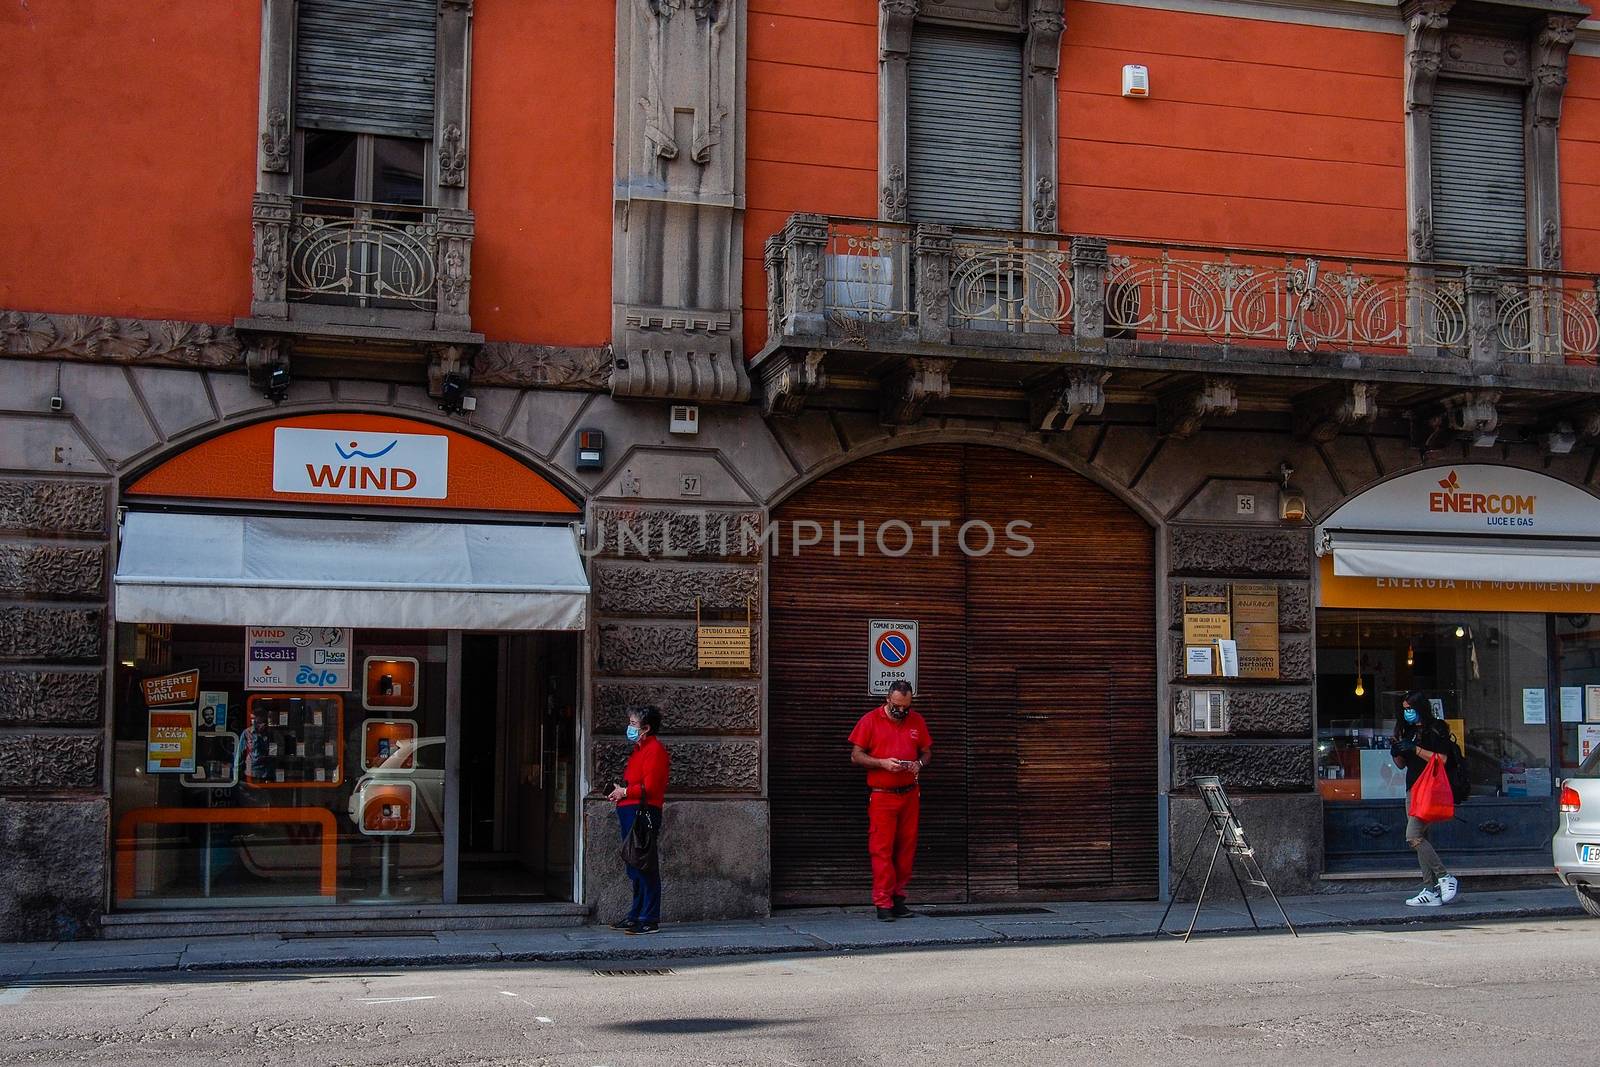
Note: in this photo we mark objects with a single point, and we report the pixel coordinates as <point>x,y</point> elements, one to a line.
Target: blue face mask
<point>1411,715</point>
<point>634,733</point>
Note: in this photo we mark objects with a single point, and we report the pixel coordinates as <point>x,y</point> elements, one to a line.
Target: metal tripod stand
<point>1221,821</point>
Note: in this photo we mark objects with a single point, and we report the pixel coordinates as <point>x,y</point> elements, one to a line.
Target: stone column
<point>54,570</point>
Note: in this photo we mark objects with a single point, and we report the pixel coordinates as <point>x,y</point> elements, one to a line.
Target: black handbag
<point>639,845</point>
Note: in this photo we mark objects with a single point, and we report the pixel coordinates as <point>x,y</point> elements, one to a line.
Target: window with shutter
<point>1479,174</point>
<point>964,127</point>
<point>366,66</point>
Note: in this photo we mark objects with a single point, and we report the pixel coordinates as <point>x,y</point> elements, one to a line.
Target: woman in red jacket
<point>644,784</point>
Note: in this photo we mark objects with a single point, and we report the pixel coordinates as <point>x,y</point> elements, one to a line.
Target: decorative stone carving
<point>893,198</point>
<point>709,708</point>
<point>659,648</point>
<point>445,361</point>
<point>1551,48</point>
<point>30,697</point>
<point>1046,21</point>
<point>1044,205</point>
<point>270,217</point>
<point>674,28</point>
<point>453,156</point>
<point>1550,245</point>
<point>36,632</point>
<point>52,506</point>
<point>1422,233</point>
<point>935,247</point>
<point>1425,25</point>
<point>453,269</point>
<point>1327,412</point>
<point>275,142</point>
<point>1005,14</point>
<point>1245,767</point>
<point>1179,415</point>
<point>542,366</point>
<point>1475,416</point>
<point>909,390</point>
<point>671,365</point>
<point>1238,552</point>
<point>1082,393</point>
<point>62,571</point>
<point>666,533</point>
<point>1486,55</point>
<point>102,339</point>
<point>697,766</point>
<point>788,378</point>
<point>632,589</point>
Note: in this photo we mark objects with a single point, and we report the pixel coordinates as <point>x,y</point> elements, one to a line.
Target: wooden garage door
<point>1037,678</point>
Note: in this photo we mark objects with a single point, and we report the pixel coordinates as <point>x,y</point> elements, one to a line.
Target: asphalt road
<point>1522,992</point>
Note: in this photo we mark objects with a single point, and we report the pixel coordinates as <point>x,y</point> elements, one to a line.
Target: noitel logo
<point>1454,499</point>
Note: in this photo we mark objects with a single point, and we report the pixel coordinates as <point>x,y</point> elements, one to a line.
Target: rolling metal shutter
<point>964,128</point>
<point>1479,180</point>
<point>1037,677</point>
<point>366,65</point>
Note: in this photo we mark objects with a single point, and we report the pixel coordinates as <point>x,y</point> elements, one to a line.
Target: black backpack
<point>1455,769</point>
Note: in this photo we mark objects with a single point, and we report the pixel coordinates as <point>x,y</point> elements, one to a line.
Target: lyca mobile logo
<point>1503,509</point>
<point>350,462</point>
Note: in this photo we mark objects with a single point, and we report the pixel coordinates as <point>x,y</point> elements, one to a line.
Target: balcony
<point>924,312</point>
<point>375,284</point>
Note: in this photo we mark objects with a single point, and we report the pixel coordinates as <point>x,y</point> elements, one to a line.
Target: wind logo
<point>352,463</point>
<point>1502,509</point>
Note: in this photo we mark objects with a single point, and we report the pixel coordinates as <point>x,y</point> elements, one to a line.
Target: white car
<point>1576,845</point>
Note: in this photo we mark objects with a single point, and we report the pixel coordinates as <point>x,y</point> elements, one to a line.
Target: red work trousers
<point>892,843</point>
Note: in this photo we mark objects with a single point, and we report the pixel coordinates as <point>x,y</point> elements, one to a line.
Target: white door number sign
<point>891,654</point>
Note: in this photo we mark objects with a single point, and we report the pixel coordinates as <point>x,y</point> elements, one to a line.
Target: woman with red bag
<point>1419,735</point>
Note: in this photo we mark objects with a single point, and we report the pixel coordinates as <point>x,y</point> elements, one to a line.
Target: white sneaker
<point>1448,888</point>
<point>1425,899</point>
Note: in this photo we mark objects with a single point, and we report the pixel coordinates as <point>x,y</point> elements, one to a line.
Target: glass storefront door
<point>1489,676</point>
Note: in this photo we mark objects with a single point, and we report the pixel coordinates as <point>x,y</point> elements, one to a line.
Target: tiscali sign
<point>1480,498</point>
<point>343,462</point>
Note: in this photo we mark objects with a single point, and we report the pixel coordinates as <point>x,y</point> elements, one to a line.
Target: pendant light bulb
<point>1411,655</point>
<point>1461,631</point>
<point>1361,690</point>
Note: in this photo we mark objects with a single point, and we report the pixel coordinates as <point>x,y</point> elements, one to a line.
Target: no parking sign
<point>891,654</point>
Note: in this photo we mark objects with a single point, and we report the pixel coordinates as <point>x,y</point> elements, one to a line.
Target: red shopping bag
<point>1432,799</point>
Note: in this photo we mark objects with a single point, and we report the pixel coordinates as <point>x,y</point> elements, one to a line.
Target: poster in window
<point>169,745</point>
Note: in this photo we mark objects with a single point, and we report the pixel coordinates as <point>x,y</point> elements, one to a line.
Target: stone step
<point>333,920</point>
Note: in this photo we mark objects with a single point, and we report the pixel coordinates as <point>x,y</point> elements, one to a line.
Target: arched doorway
<point>1037,677</point>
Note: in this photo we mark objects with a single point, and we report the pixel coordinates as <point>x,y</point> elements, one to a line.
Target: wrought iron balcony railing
<point>375,257</point>
<point>860,281</point>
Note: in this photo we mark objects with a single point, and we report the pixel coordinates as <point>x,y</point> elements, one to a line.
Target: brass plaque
<point>1258,663</point>
<point>1201,629</point>
<point>724,646</point>
<point>1256,635</point>
<point>1255,603</point>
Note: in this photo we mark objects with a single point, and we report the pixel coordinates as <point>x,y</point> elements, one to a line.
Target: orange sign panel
<point>1452,594</point>
<point>354,459</point>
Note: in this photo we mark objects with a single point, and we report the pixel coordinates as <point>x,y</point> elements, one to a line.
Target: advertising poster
<point>213,709</point>
<point>297,657</point>
<point>1588,739</point>
<point>169,746</point>
<point>181,688</point>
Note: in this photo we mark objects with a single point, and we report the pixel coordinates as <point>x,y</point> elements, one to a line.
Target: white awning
<point>1483,559</point>
<point>250,570</point>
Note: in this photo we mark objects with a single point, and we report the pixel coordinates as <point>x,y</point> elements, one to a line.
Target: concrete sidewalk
<point>820,930</point>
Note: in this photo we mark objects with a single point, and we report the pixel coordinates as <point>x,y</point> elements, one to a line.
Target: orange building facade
<point>466,359</point>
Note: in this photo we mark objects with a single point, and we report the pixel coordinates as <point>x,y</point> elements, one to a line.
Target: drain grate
<point>980,912</point>
<point>641,972</point>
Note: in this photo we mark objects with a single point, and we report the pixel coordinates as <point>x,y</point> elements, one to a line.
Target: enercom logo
<point>1502,509</point>
<point>354,463</point>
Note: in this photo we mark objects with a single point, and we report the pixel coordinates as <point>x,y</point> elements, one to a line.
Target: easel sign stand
<point>1221,821</point>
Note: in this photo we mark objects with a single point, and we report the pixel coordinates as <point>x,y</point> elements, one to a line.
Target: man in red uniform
<point>893,744</point>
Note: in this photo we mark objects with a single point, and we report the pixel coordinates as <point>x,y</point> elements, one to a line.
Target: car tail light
<point>1570,800</point>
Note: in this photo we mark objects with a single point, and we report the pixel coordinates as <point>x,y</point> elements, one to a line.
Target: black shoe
<point>643,928</point>
<point>623,924</point>
<point>900,911</point>
<point>886,915</point>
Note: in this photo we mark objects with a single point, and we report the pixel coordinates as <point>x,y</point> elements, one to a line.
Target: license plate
<point>1589,854</point>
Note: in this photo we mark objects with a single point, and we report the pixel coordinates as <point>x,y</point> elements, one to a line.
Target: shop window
<point>327,789</point>
<point>1486,674</point>
<point>1578,689</point>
